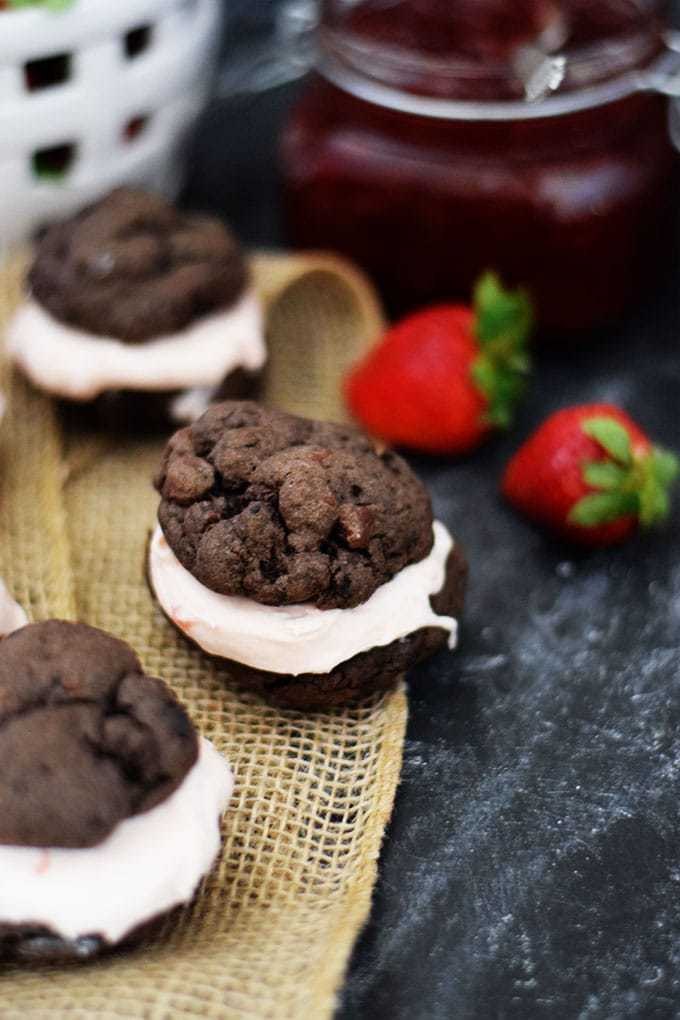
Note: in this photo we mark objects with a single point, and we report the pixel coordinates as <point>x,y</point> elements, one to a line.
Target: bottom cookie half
<point>33,943</point>
<point>135,412</point>
<point>369,672</point>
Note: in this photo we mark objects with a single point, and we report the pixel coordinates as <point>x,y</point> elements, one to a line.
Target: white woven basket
<point>97,95</point>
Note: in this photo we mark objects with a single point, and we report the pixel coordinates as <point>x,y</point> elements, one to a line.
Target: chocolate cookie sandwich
<point>132,304</point>
<point>109,801</point>
<point>301,554</point>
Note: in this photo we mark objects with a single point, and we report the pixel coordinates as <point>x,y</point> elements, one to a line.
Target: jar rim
<point>661,75</point>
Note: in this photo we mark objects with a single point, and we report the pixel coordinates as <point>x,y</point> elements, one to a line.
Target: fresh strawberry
<point>591,474</point>
<point>443,378</point>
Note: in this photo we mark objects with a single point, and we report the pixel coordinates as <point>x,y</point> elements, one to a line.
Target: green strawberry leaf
<point>502,388</point>
<point>520,362</point>
<point>657,470</point>
<point>603,508</point>
<point>665,466</point>
<point>504,319</point>
<point>603,474</point>
<point>52,5</point>
<point>502,315</point>
<point>654,502</point>
<point>612,436</point>
<point>483,373</point>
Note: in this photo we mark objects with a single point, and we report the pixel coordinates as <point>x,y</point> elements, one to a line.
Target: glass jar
<point>436,140</point>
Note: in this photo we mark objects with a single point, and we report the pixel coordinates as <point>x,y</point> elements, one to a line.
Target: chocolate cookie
<point>284,510</point>
<point>138,412</point>
<point>366,673</point>
<point>27,943</point>
<point>34,943</point>
<point>86,739</point>
<point>134,267</point>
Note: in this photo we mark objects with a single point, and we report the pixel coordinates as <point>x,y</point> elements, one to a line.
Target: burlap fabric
<point>270,933</point>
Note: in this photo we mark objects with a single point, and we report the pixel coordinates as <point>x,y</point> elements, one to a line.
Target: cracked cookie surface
<point>285,510</point>
<point>134,267</point>
<point>86,738</point>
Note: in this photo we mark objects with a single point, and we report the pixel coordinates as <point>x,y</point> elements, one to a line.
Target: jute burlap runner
<point>270,933</point>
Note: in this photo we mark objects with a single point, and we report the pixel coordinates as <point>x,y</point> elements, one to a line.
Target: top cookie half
<point>284,510</point>
<point>134,267</point>
<point>87,740</point>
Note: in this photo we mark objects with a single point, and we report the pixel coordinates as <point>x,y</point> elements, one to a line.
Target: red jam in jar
<point>440,139</point>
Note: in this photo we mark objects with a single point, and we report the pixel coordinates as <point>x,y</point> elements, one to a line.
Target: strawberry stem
<point>627,484</point>
<point>503,324</point>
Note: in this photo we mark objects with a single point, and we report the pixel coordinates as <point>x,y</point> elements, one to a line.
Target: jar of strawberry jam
<point>437,139</point>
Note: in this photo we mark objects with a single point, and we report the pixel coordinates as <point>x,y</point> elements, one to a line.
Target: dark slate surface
<point>533,863</point>
<point>532,867</point>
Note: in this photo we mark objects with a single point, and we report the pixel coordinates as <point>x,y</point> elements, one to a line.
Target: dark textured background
<point>532,866</point>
